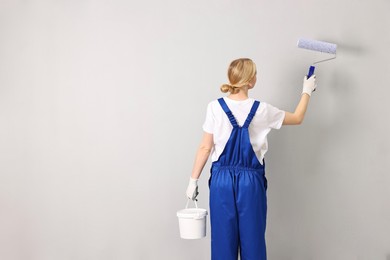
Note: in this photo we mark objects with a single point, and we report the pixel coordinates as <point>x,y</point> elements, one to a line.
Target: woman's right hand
<point>309,85</point>
<point>192,189</point>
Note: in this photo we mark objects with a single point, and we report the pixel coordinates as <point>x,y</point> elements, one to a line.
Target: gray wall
<point>101,107</point>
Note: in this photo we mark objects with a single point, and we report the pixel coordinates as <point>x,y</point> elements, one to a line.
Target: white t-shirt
<point>217,123</point>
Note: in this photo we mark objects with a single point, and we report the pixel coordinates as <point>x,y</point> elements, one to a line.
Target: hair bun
<point>230,88</point>
<point>226,88</point>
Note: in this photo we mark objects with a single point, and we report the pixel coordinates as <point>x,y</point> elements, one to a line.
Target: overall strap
<point>251,114</point>
<point>228,112</point>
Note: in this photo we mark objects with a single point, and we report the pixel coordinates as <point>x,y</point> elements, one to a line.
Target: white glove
<point>309,85</point>
<point>192,189</point>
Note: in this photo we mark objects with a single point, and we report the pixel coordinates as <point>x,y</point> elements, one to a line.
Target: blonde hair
<point>240,73</point>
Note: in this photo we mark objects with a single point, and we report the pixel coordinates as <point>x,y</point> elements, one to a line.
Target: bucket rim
<point>194,213</point>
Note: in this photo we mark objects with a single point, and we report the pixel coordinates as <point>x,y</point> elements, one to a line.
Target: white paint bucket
<point>192,222</point>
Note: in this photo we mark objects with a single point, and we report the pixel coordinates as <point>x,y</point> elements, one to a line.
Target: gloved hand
<point>192,189</point>
<point>309,85</point>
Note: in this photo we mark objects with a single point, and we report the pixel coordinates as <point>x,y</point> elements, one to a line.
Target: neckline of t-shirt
<point>238,101</point>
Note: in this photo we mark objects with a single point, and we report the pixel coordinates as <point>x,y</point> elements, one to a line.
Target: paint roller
<point>320,46</point>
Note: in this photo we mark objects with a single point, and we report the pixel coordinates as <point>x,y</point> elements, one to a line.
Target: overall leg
<point>223,216</point>
<point>252,214</point>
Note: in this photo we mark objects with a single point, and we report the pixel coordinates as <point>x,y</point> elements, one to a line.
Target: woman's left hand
<point>192,189</point>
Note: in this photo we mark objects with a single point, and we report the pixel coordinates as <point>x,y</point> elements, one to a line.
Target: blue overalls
<point>238,202</point>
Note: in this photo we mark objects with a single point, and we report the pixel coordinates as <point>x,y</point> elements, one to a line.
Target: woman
<point>235,132</point>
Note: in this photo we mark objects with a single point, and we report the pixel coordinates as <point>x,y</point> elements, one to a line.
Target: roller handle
<point>311,71</point>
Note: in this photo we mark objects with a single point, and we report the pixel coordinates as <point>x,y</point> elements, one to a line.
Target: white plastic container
<point>192,222</point>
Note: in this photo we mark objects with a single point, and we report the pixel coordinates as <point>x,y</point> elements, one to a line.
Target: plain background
<point>101,107</point>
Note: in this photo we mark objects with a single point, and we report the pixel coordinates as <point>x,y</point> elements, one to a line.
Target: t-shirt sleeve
<point>275,117</point>
<point>208,125</point>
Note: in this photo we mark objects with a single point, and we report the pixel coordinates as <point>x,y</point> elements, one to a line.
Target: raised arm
<point>296,118</point>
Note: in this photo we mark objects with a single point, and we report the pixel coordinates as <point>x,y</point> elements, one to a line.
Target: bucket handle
<point>188,201</point>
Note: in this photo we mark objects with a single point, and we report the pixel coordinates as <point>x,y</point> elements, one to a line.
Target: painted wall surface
<point>101,108</point>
